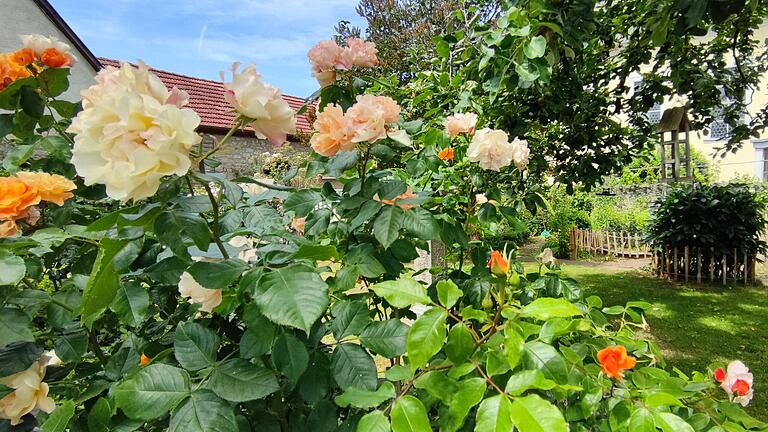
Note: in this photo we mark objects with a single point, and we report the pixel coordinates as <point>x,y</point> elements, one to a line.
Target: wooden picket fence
<point>616,243</point>
<point>691,264</point>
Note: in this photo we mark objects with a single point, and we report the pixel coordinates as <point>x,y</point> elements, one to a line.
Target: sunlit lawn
<point>696,326</point>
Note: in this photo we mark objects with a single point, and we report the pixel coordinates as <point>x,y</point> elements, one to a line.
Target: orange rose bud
<point>16,197</point>
<point>741,387</point>
<point>719,375</point>
<point>498,264</point>
<point>51,187</point>
<point>23,56</point>
<point>446,154</point>
<point>614,360</point>
<point>144,360</point>
<point>54,58</point>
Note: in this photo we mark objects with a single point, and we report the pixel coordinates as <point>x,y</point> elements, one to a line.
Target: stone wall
<point>241,154</point>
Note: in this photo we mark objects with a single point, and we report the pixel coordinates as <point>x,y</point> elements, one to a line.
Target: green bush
<point>626,214</point>
<point>722,217</point>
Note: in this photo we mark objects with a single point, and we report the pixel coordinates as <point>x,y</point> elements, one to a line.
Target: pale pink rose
<point>481,199</point>
<point>491,149</point>
<point>521,153</point>
<point>270,115</point>
<point>298,224</point>
<point>546,256</point>
<point>366,120</point>
<point>332,132</point>
<point>738,383</point>
<point>326,55</point>
<point>208,299</point>
<point>460,123</point>
<point>360,53</point>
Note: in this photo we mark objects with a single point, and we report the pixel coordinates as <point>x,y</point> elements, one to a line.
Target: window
<point>654,114</point>
<point>719,129</point>
<point>764,163</point>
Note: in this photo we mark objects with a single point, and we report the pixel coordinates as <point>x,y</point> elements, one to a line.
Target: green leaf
<point>374,421</point>
<point>315,252</point>
<point>534,414</point>
<point>14,327</point>
<point>409,415</point>
<point>217,275</point>
<point>99,415</point>
<point>536,47</point>
<point>55,81</point>
<point>60,417</point>
<point>238,380</point>
<point>72,346</point>
<point>301,203</point>
<point>293,296</point>
<point>659,399</point>
<point>65,109</point>
<point>513,348</point>
<point>17,156</point>
<point>360,398</point>
<point>290,356</point>
<point>195,346</point>
<point>402,293</point>
<point>57,147</point>
<point>104,281</point>
<point>642,421</point>
<point>130,303</point>
<point>494,415</point>
<point>470,393</point>
<point>12,268</point>
<point>544,308</point>
<point>525,380</point>
<point>152,392</point>
<point>460,344</point>
<point>527,71</point>
<point>385,338</point>
<point>426,337</point>
<point>421,223</point>
<point>448,293</point>
<point>31,102</point>
<point>18,356</point>
<point>350,318</point>
<point>170,225</point>
<point>342,162</point>
<point>6,124</point>
<point>387,226</point>
<point>669,422</point>
<point>353,367</point>
<point>203,412</point>
<point>538,355</point>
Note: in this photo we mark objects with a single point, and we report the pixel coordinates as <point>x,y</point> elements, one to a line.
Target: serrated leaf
<point>374,421</point>
<point>403,292</point>
<point>238,380</point>
<point>172,228</point>
<point>14,327</point>
<point>421,223</point>
<point>293,296</point>
<point>195,346</point>
<point>448,293</point>
<point>18,356</point>
<point>536,47</point>
<point>290,356</point>
<point>350,318</point>
<point>130,303</point>
<point>426,337</point>
<point>385,338</point>
<point>386,227</point>
<point>353,367</point>
<point>60,417</point>
<point>301,203</point>
<point>203,412</point>
<point>12,268</point>
<point>72,346</point>
<point>460,344</point>
<point>152,392</point>
<point>360,398</point>
<point>217,275</point>
<point>534,414</point>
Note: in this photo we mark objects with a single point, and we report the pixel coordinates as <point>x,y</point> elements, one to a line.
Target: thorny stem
<point>488,379</point>
<point>239,122</point>
<point>96,348</point>
<point>215,228</point>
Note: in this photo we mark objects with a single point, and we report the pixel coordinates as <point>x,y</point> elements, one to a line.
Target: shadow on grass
<point>696,325</point>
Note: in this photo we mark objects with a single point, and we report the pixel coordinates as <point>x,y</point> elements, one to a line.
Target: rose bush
<point>175,300</point>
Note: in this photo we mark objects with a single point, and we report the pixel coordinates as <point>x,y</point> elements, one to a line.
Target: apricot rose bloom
<point>368,117</point>
<point>51,187</point>
<point>269,114</point>
<point>614,360</point>
<point>29,393</point>
<point>51,51</point>
<point>491,149</point>
<point>360,53</point>
<point>16,196</point>
<point>332,133</point>
<point>208,299</point>
<point>498,264</point>
<point>460,123</point>
<point>737,382</point>
<point>9,229</point>
<point>446,154</point>
<point>132,132</point>
<point>327,57</point>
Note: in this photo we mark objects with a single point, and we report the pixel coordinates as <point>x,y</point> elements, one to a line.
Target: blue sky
<point>202,37</point>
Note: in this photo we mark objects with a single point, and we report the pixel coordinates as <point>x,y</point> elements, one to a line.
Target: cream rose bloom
<point>208,299</point>
<point>491,149</point>
<point>460,123</point>
<point>128,136</point>
<point>30,393</point>
<point>246,251</point>
<point>521,153</point>
<point>546,256</point>
<point>39,43</point>
<point>270,115</point>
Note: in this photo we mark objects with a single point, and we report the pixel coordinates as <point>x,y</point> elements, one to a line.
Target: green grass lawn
<point>696,326</point>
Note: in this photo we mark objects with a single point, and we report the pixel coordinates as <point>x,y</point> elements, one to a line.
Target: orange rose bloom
<point>54,58</point>
<point>446,154</point>
<point>144,360</point>
<point>614,360</point>
<point>498,264</point>
<point>23,56</point>
<point>10,71</point>
<point>16,197</point>
<point>51,187</point>
<point>9,229</point>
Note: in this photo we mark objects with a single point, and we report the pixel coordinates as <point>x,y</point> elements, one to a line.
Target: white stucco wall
<point>19,17</point>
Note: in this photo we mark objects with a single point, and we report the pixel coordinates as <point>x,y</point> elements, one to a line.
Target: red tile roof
<point>206,97</point>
